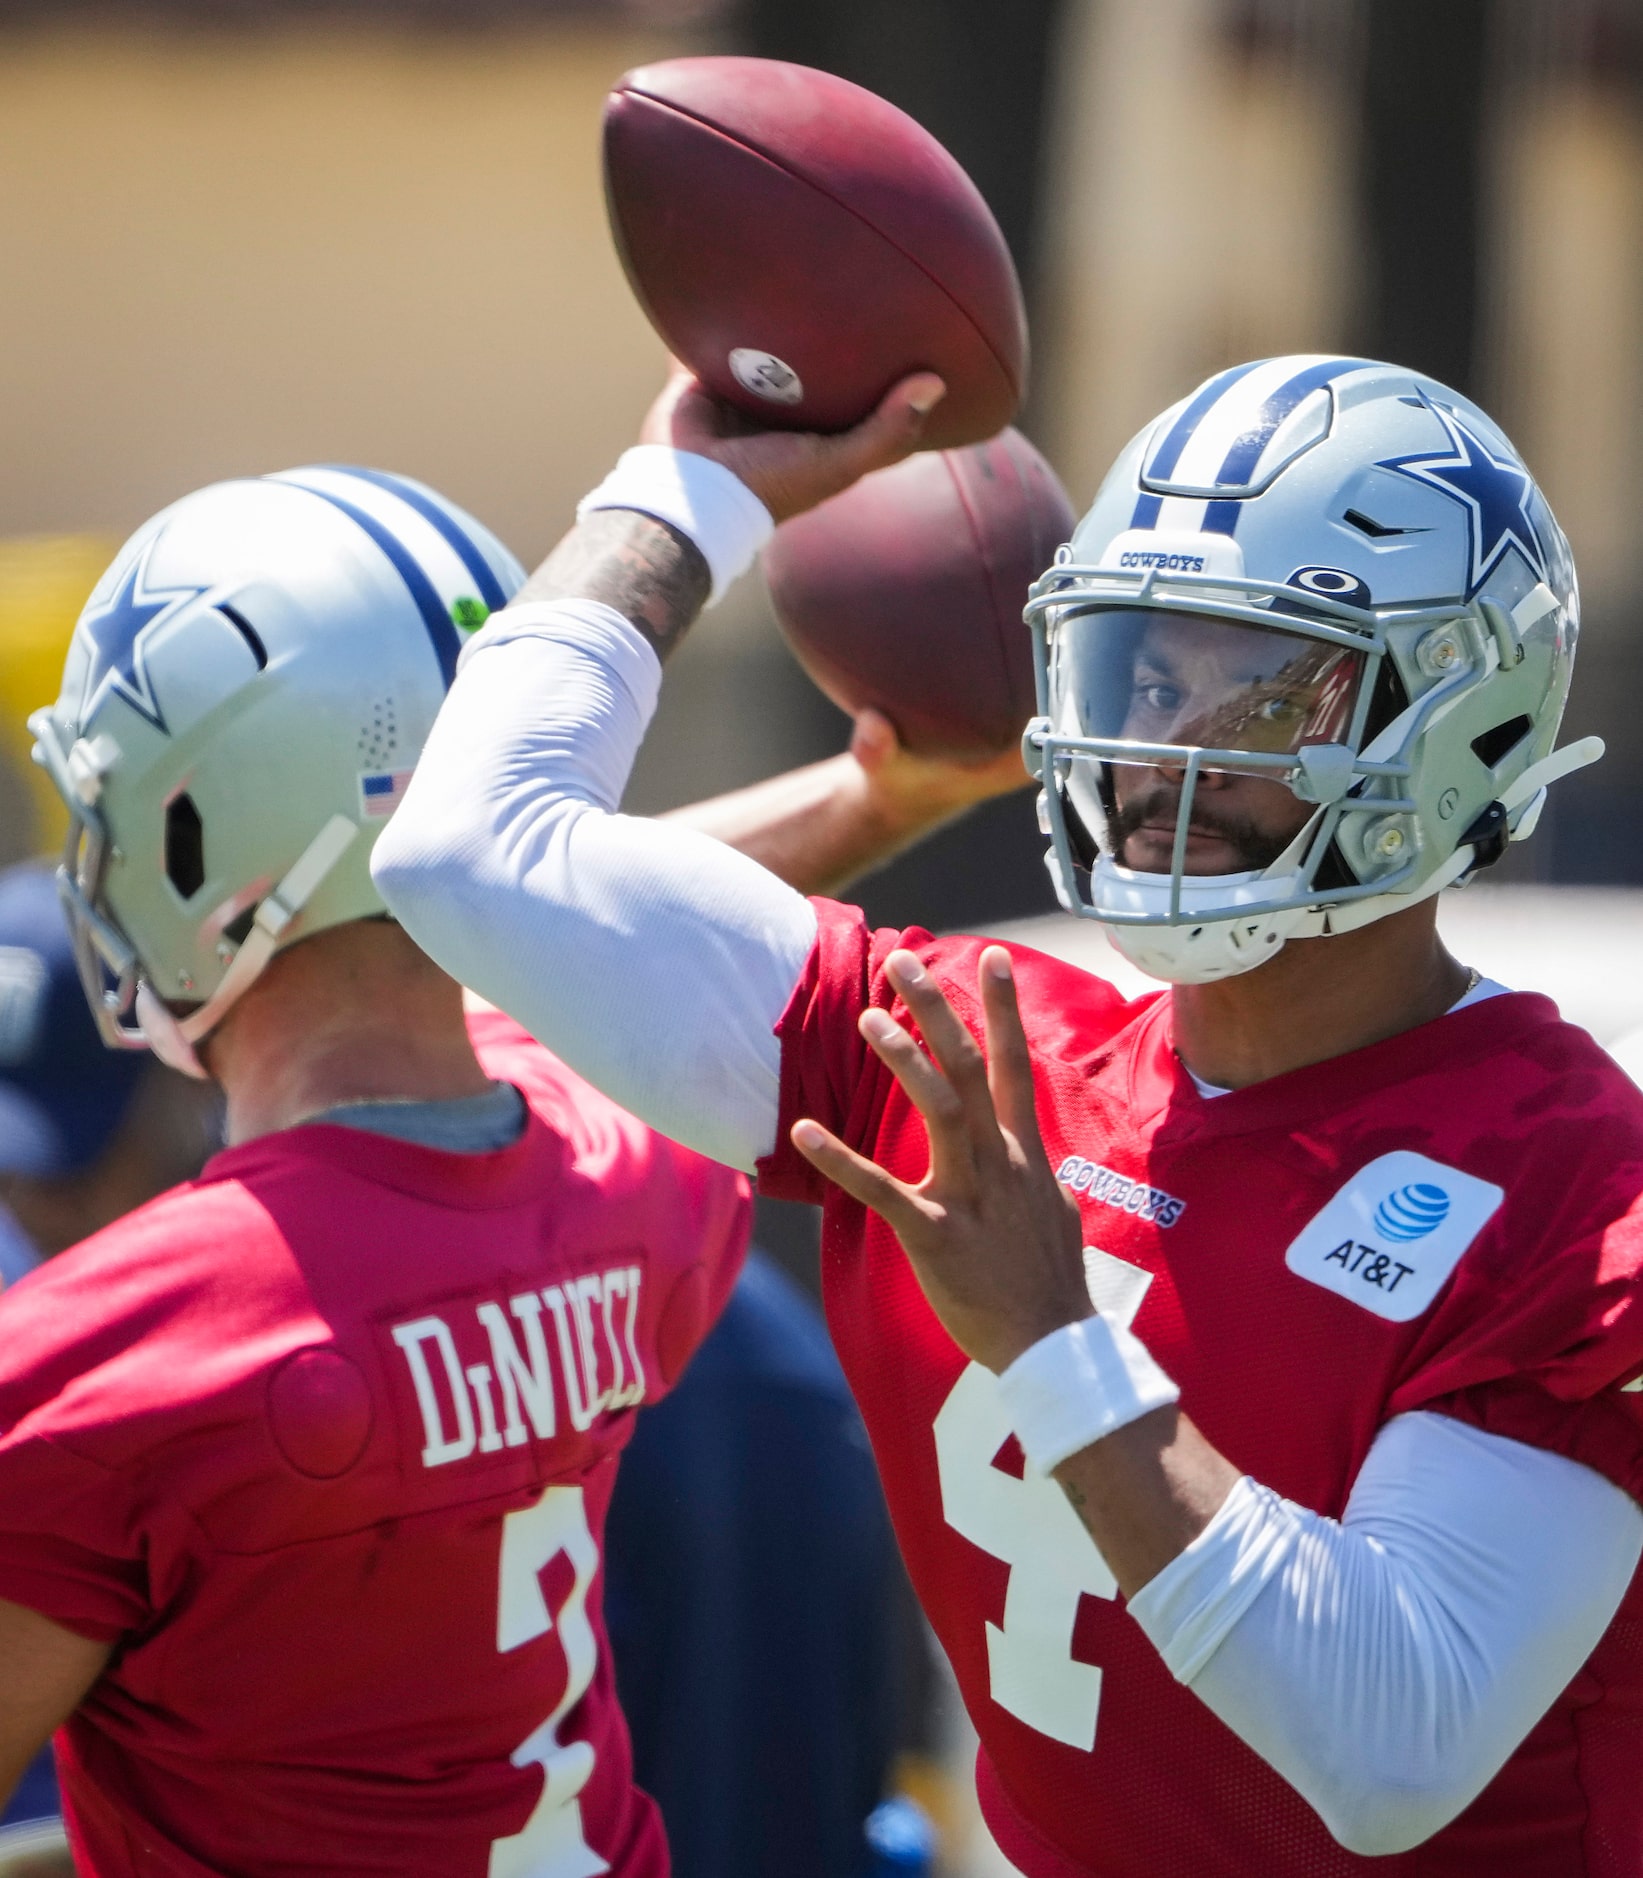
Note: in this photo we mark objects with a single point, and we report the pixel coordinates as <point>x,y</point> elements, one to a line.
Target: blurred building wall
<point>231,252</point>
<point>1567,362</point>
<point>1200,213</point>
<point>1213,165</point>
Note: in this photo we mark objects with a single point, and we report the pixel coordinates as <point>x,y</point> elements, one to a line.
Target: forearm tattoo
<point>654,576</point>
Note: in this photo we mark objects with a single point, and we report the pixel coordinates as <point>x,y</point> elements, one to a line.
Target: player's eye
<point>1159,696</point>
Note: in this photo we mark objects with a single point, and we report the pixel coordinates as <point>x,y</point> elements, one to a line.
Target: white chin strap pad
<point>172,1039</point>
<point>164,1036</point>
<point>1200,953</point>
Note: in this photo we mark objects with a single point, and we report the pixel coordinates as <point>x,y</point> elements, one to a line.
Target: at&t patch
<point>1393,1234</point>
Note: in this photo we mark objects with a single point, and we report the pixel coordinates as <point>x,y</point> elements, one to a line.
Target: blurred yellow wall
<point>44,582</point>
<point>1199,213</point>
<point>229,252</point>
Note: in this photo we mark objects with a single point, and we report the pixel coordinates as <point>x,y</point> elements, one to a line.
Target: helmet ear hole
<point>1494,744</point>
<point>184,846</point>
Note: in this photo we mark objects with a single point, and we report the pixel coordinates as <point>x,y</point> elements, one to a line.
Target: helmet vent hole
<point>379,735</point>
<point>184,846</point>
<point>248,633</point>
<point>1494,744</point>
<point>1367,525</point>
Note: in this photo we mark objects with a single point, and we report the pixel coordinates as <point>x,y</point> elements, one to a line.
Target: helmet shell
<point>1374,501</point>
<point>262,656</point>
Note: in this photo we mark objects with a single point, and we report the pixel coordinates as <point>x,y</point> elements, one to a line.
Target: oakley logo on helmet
<point>1333,583</point>
<point>1389,1240</point>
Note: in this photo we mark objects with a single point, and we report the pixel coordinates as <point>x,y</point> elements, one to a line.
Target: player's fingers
<point>1009,1058</point>
<point>957,1054</point>
<point>888,433</point>
<point>873,740</point>
<point>683,412</point>
<point>935,1098</point>
<point>861,1178</point>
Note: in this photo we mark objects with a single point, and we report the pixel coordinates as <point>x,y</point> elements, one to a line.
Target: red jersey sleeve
<point>72,1539</point>
<point>828,1073</point>
<point>1540,1337</point>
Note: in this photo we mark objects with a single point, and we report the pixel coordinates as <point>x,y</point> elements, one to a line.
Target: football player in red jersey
<point>1254,1383</point>
<point>304,1465</point>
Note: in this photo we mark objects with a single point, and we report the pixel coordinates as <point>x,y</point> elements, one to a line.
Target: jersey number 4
<point>1028,1524</point>
<point>551,1844</point>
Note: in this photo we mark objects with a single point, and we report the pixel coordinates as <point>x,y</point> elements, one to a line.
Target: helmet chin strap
<point>172,1039</point>
<point>1538,776</point>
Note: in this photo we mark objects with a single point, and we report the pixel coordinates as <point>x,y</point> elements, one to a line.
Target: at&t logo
<point>1390,1238</point>
<point>1412,1212</point>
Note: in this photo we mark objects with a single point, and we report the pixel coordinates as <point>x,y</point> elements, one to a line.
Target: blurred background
<point>241,234</point>
<point>244,234</point>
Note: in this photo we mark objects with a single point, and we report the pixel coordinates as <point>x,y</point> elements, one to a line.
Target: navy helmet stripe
<point>1221,517</point>
<point>447,642</point>
<point>467,549</point>
<point>1241,459</point>
<point>1147,508</point>
<point>1168,453</point>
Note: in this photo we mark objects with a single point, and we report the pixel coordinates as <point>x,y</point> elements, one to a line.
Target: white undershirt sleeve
<point>653,959</point>
<point>1387,1664</point>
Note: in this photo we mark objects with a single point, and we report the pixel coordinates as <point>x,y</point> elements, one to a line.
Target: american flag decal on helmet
<point>381,792</point>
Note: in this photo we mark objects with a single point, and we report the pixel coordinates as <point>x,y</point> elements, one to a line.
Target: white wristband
<point>1078,1384</point>
<point>700,498</point>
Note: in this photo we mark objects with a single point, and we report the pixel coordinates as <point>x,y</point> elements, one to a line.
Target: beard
<point>1157,804</point>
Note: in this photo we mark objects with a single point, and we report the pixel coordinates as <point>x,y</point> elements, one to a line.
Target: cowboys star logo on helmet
<point>1496,493</point>
<point>305,625</point>
<point>115,635</point>
<point>1302,665</point>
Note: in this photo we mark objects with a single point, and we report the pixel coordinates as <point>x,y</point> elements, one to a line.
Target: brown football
<point>801,244</point>
<point>906,591</point>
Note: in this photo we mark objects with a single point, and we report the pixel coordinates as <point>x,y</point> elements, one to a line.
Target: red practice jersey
<point>1446,1221</point>
<point>323,1441</point>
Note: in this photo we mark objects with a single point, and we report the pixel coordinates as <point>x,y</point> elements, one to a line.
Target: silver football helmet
<point>1321,573</point>
<point>245,695</point>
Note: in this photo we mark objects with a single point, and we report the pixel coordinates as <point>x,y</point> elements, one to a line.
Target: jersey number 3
<point>1028,1524</point>
<point>551,1844</point>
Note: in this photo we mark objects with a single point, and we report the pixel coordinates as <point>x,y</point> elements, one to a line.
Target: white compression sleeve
<point>653,959</point>
<point>1387,1664</point>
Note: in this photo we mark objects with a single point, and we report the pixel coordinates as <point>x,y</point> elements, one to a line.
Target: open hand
<point>994,1238</point>
<point>791,470</point>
